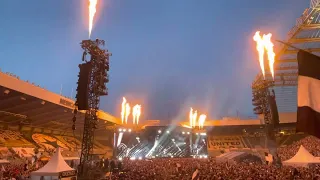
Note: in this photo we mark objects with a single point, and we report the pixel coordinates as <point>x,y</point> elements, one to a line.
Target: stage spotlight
<point>197,133</point>
<point>188,132</point>
<point>120,130</point>
<point>140,158</point>
<point>172,140</point>
<point>183,132</point>
<point>124,130</point>
<point>133,158</point>
<point>168,132</point>
<point>159,131</point>
<point>120,158</point>
<point>129,130</point>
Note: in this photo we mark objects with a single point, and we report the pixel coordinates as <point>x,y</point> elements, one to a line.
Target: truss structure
<point>304,35</point>
<point>99,62</point>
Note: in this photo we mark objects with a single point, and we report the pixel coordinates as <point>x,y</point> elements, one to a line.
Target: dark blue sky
<point>167,55</point>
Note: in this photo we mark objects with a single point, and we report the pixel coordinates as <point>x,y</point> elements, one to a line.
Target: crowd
<point>311,143</point>
<point>19,170</point>
<point>249,168</point>
<point>183,169</point>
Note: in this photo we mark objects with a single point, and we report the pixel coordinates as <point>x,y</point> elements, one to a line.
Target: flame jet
<point>264,44</point>
<point>136,113</point>
<point>92,12</point>
<point>260,49</point>
<point>128,111</point>
<point>123,109</point>
<point>202,119</point>
<point>268,45</point>
<point>194,118</point>
<point>191,117</point>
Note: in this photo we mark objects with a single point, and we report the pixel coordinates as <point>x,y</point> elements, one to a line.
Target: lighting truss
<point>99,60</point>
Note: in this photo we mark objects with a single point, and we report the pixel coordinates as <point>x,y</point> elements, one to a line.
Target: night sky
<point>167,55</point>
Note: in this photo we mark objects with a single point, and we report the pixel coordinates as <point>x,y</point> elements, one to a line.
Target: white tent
<point>302,158</point>
<point>53,169</point>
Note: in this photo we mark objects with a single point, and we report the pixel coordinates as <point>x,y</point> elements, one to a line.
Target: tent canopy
<point>55,165</point>
<point>302,158</point>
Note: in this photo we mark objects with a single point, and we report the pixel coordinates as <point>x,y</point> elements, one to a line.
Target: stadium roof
<point>23,103</point>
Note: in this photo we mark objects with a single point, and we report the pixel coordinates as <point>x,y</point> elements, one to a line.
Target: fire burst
<point>193,117</point>
<point>202,119</point>
<point>264,43</point>
<point>271,55</point>
<point>92,12</point>
<point>125,110</point>
<point>136,113</point>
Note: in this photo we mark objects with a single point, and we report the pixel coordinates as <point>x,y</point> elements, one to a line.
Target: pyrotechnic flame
<point>269,47</point>
<point>123,109</point>
<point>136,113</point>
<point>128,110</point>
<point>191,117</point>
<point>260,49</point>
<point>202,119</point>
<point>92,12</point>
<point>194,118</point>
<point>264,43</point>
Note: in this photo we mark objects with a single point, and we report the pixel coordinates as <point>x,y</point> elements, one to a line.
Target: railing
<point>300,21</point>
<point>314,3</point>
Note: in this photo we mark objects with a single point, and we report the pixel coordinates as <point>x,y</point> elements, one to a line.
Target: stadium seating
<point>16,144</point>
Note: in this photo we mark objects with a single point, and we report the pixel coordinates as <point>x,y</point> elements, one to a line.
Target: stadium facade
<point>304,35</point>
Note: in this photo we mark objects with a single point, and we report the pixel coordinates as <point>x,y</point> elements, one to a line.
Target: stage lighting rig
<point>265,104</point>
<point>92,81</point>
<point>261,94</point>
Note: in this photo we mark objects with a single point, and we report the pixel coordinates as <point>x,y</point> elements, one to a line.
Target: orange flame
<point>202,119</point>
<point>260,49</point>
<point>194,118</point>
<point>123,109</point>
<point>191,117</point>
<point>264,43</point>
<point>92,12</point>
<point>271,55</point>
<point>136,113</point>
<point>128,110</point>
